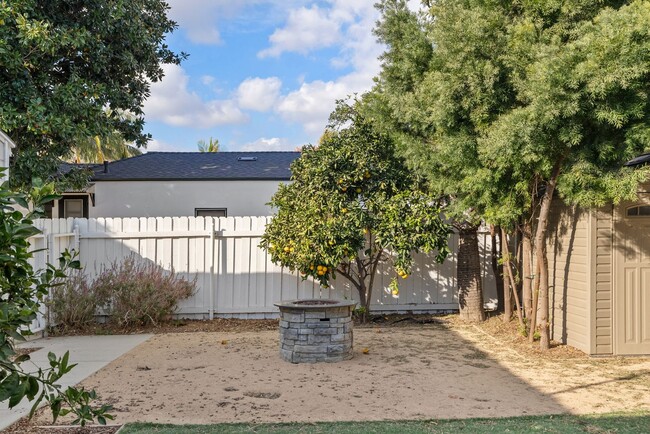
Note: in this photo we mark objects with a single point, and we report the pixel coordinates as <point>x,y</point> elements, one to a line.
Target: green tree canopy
<point>69,68</point>
<point>352,204</point>
<point>519,99</point>
<point>22,291</point>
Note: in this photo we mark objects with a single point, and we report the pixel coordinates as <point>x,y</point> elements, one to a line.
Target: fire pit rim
<point>303,304</point>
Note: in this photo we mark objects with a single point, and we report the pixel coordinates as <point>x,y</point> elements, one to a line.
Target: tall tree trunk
<point>542,259</point>
<point>505,259</point>
<point>497,268</point>
<point>527,267</point>
<point>470,287</point>
<point>534,306</point>
<point>507,269</point>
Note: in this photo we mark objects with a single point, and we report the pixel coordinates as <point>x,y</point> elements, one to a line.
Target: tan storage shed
<point>599,264</point>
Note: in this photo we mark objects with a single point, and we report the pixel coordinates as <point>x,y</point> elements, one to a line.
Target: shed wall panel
<point>569,267</point>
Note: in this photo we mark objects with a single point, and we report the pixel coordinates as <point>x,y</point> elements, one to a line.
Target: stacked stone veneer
<point>312,333</point>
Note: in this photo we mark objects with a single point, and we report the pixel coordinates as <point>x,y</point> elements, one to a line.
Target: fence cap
<point>314,304</point>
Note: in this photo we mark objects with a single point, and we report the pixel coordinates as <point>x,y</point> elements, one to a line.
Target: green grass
<point>619,423</point>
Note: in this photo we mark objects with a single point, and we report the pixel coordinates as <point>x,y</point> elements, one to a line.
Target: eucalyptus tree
<point>440,86</point>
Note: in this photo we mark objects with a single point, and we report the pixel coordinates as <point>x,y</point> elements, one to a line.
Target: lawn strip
<point>620,423</point>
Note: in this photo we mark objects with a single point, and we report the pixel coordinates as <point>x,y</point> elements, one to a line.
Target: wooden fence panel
<point>233,275</point>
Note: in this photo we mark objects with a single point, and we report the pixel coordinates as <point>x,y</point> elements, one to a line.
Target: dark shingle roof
<point>177,166</point>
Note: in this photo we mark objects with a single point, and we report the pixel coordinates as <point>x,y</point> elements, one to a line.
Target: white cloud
<point>159,146</point>
<point>200,19</point>
<point>258,94</point>
<point>313,101</point>
<point>270,144</point>
<point>174,104</point>
<point>305,30</point>
<point>207,80</point>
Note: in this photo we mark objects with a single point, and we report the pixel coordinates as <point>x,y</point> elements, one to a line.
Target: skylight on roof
<point>247,159</point>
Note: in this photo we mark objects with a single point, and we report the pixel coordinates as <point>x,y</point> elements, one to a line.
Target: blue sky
<point>261,74</point>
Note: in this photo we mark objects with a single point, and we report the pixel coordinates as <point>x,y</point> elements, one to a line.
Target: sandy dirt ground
<point>409,373</point>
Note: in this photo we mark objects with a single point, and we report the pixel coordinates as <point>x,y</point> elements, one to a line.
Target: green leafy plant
<point>134,292</point>
<point>352,205</point>
<point>63,65</point>
<point>22,290</point>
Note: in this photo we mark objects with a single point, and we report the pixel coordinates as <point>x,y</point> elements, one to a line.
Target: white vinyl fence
<point>234,276</point>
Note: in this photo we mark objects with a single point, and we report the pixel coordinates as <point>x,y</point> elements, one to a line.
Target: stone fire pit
<point>316,330</point>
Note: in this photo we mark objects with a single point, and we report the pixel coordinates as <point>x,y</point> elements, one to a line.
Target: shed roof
<point>179,166</point>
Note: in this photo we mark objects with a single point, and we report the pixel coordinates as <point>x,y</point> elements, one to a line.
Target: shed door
<point>632,278</point>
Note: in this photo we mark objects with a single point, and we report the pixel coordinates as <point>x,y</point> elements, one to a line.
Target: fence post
<point>77,242</point>
<point>212,250</point>
<point>49,245</point>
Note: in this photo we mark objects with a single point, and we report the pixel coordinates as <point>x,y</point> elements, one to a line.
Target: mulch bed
<point>176,326</point>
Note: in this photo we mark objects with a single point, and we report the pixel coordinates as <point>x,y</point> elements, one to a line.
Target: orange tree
<point>352,205</point>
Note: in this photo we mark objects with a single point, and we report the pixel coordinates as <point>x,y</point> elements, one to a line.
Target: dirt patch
<point>510,335</point>
<point>435,370</point>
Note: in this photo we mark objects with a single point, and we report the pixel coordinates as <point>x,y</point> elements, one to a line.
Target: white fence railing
<point>234,276</point>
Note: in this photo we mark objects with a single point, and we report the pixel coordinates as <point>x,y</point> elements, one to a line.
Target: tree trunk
<point>507,295</point>
<point>470,287</point>
<point>542,259</point>
<point>527,268</point>
<point>497,268</point>
<point>364,301</point>
<point>507,270</point>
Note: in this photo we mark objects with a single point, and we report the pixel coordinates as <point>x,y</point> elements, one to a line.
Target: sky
<point>262,75</point>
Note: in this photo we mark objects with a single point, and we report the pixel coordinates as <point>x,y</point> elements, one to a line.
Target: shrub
<point>137,293</point>
<point>73,302</point>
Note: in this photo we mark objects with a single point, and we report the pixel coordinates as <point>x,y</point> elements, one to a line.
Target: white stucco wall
<point>180,198</point>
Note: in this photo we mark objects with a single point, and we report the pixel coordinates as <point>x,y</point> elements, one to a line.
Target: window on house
<point>639,211</point>
<point>73,206</point>
<point>210,212</point>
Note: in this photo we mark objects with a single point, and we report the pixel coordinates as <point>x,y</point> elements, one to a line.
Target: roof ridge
<point>127,158</point>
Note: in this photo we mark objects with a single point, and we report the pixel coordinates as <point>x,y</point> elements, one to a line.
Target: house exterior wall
<point>180,198</point>
<point>570,277</point>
